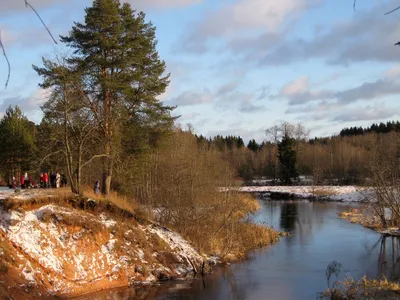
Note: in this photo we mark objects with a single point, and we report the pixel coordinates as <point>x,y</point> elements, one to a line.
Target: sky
<point>238,67</point>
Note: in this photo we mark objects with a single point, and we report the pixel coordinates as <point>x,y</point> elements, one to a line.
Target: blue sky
<point>239,66</point>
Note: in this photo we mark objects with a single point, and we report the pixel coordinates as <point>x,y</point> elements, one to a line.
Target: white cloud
<point>241,16</point>
<point>369,90</point>
<point>369,113</point>
<point>142,4</point>
<point>261,13</point>
<point>15,5</point>
<point>191,98</point>
<point>298,86</point>
<point>29,105</point>
<point>299,92</point>
<point>393,72</point>
<point>7,37</point>
<point>227,88</point>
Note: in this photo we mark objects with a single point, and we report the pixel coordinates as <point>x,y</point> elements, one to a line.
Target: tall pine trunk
<point>109,161</point>
<point>107,169</point>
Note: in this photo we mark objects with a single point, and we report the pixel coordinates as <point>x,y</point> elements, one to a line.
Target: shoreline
<point>104,256</point>
<point>312,193</point>
<point>359,216</point>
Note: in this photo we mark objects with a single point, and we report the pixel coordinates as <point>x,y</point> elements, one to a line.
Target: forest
<point>103,122</point>
<point>345,158</point>
<point>127,159</point>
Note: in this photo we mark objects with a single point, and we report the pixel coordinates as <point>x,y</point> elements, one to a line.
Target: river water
<point>295,267</point>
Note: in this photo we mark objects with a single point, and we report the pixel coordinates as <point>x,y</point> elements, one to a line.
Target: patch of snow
<point>124,260</point>
<point>149,279</point>
<point>106,221</point>
<point>107,251</point>
<point>332,193</point>
<point>178,244</point>
<point>28,272</point>
<point>80,272</point>
<point>140,254</point>
<point>116,268</point>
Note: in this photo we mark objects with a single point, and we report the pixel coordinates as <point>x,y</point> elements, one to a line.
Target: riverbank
<point>317,237</point>
<point>365,217</point>
<point>318,193</point>
<point>363,289</point>
<point>69,246</point>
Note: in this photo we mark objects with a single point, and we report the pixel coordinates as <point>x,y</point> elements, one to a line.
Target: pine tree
<point>253,145</point>
<point>17,140</point>
<point>287,159</point>
<point>115,55</point>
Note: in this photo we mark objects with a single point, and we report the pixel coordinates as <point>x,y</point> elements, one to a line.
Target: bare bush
<point>385,174</point>
<point>181,182</point>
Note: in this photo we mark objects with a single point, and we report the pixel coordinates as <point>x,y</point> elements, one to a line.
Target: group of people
<point>54,180</point>
<point>25,182</point>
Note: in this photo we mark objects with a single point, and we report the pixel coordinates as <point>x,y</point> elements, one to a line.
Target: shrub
<point>182,182</point>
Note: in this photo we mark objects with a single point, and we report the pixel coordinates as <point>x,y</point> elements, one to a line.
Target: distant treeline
<point>344,158</point>
<point>376,128</point>
<point>231,141</point>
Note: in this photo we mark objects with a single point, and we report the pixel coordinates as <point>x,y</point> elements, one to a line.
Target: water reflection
<point>288,216</point>
<point>295,267</point>
<point>389,257</point>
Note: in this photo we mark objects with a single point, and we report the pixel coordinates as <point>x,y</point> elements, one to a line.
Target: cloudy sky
<point>239,66</point>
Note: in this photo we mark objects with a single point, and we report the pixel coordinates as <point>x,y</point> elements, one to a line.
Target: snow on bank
<point>5,192</point>
<point>66,249</point>
<point>329,193</point>
<point>25,194</point>
<point>178,244</point>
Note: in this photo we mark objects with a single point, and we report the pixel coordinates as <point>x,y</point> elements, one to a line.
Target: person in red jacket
<point>41,181</point>
<point>46,180</point>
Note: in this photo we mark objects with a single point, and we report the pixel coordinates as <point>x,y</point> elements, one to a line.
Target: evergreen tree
<point>17,140</point>
<point>239,143</point>
<point>122,75</point>
<point>253,145</point>
<point>287,159</point>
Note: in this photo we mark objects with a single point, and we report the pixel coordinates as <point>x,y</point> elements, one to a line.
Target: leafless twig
<point>27,4</point>
<point>8,62</point>
<point>389,12</point>
<point>393,10</point>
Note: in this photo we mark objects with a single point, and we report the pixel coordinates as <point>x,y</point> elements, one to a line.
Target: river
<point>295,267</point>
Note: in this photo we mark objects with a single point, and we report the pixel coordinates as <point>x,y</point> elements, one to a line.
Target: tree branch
<point>393,10</point>
<point>8,62</point>
<point>389,12</point>
<point>27,4</point>
<point>94,157</point>
<point>48,155</point>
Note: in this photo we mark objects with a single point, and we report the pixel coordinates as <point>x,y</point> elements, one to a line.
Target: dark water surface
<point>295,267</point>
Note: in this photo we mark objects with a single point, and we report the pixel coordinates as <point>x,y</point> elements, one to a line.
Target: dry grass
<point>123,202</point>
<point>117,205</point>
<point>235,242</point>
<point>229,234</point>
<point>82,220</point>
<point>363,217</point>
<point>38,198</point>
<point>319,192</point>
<point>351,289</point>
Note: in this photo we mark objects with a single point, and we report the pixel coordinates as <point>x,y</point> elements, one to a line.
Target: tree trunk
<point>108,170</point>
